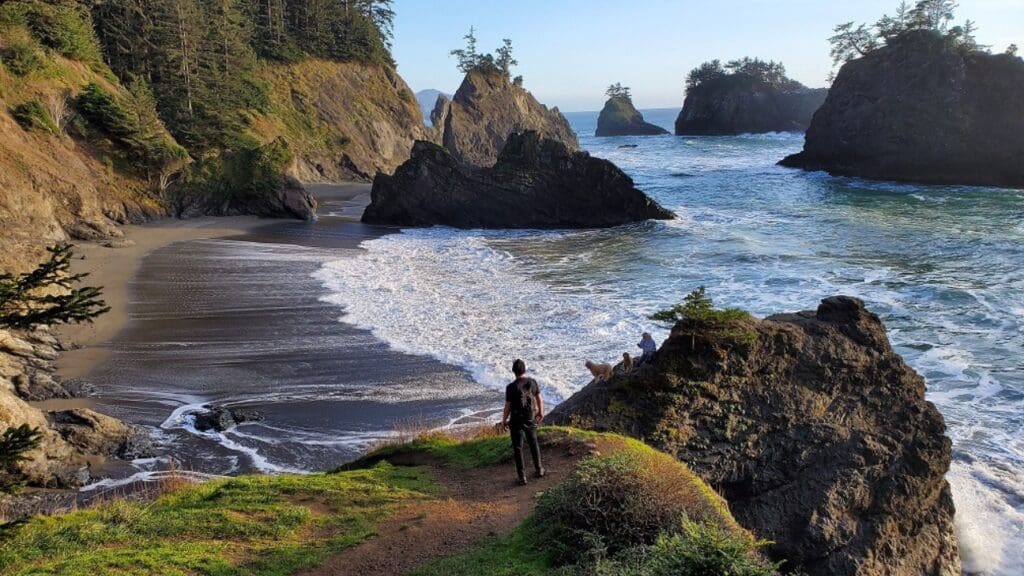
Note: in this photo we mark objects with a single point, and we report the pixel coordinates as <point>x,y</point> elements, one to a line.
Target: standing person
<point>524,408</point>
<point>648,346</point>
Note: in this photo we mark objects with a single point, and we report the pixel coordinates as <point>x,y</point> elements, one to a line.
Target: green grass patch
<point>519,553</point>
<point>245,525</point>
<point>473,453</point>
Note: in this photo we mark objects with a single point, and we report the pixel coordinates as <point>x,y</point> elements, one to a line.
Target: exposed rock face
<point>428,99</point>
<point>536,183</point>
<point>288,199</point>
<point>620,118</point>
<point>486,109</point>
<point>919,110</point>
<point>742,104</point>
<point>27,373</point>
<point>344,120</point>
<point>812,428</point>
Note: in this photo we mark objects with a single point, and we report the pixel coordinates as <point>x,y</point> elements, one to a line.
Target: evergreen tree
<point>29,299</point>
<point>14,443</point>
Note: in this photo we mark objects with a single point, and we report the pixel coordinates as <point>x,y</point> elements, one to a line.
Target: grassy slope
<point>279,524</point>
<point>246,525</point>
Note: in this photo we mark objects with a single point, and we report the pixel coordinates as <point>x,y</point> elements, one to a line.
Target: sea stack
<point>921,109</point>
<point>536,183</point>
<point>620,118</point>
<point>747,96</point>
<point>810,425</point>
<point>486,109</point>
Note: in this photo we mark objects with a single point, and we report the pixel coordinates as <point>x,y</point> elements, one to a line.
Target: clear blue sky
<point>570,50</point>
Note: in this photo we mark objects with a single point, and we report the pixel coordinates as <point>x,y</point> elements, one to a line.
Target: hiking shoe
<point>521,481</point>
<point>540,473</point>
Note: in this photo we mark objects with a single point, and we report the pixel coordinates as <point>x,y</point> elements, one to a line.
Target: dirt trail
<point>477,504</point>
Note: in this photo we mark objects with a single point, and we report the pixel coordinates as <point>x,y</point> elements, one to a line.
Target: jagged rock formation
<point>536,183</point>
<point>813,429</point>
<point>486,109</point>
<point>427,99</point>
<point>743,104</point>
<point>921,110</point>
<point>344,120</point>
<point>285,198</point>
<point>620,118</point>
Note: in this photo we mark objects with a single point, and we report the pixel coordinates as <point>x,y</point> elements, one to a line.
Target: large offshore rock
<point>536,183</point>
<point>620,118</point>
<point>743,104</point>
<point>921,110</point>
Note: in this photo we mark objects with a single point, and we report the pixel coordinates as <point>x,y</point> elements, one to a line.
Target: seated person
<point>648,346</point>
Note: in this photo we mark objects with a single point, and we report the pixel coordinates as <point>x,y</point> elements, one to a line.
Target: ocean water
<point>941,265</point>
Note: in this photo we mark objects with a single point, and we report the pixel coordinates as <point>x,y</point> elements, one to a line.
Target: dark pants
<point>518,430</point>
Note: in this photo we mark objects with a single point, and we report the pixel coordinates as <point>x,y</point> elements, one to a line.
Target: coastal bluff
<point>536,182</point>
<point>812,428</point>
<point>620,118</point>
<point>486,109</point>
<point>921,110</point>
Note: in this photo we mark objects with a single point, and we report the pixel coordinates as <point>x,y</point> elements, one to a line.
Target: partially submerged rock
<point>920,110</point>
<point>486,109</point>
<point>620,118</point>
<point>221,418</point>
<point>810,425</point>
<point>536,183</point>
<point>98,434</point>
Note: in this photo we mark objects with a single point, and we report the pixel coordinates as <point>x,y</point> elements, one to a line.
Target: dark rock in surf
<point>536,183</point>
<point>742,104</point>
<point>620,118</point>
<point>220,418</point>
<point>810,425</point>
<point>920,110</point>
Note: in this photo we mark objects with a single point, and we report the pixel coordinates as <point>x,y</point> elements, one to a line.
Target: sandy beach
<point>229,312</point>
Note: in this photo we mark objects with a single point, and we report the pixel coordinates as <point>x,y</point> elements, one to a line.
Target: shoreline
<point>114,263</point>
<point>229,313</point>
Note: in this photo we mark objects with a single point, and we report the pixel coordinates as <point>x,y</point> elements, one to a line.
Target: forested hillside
<point>120,110</point>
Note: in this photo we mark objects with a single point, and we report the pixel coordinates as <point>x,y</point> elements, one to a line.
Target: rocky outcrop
<point>813,429</point>
<point>71,438</point>
<point>743,104</point>
<point>620,118</point>
<point>920,110</point>
<point>536,183</point>
<point>428,99</point>
<point>220,418</point>
<point>284,197</point>
<point>486,109</point>
<point>344,121</point>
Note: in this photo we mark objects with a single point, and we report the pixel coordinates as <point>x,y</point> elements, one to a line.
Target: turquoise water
<point>940,265</point>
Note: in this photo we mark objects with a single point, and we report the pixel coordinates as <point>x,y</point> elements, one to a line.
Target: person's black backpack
<point>524,409</point>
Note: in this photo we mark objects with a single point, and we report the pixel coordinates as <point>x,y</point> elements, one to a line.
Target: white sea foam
<point>450,296</point>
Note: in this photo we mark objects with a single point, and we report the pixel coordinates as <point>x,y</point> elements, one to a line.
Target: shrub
<point>699,314</point>
<point>130,125</point>
<point>625,500</point>
<point>32,115</point>
<point>21,57</point>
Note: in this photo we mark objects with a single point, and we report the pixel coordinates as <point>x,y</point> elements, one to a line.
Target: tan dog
<point>627,362</point>
<point>599,371</point>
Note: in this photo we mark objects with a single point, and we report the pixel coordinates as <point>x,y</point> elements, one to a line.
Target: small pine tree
<point>14,443</point>
<point>1011,50</point>
<point>503,57</point>
<point>617,90</point>
<point>468,57</point>
<point>27,300</point>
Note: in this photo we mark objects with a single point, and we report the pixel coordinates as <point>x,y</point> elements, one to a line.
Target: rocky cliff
<point>741,104</point>
<point>487,107</point>
<point>813,429</point>
<point>921,110</point>
<point>344,121</point>
<point>535,183</point>
<point>620,118</point>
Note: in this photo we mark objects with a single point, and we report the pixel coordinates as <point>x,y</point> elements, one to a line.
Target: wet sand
<point>231,315</point>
